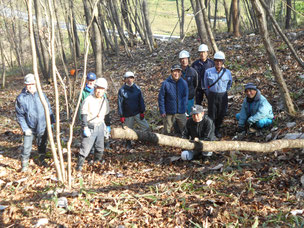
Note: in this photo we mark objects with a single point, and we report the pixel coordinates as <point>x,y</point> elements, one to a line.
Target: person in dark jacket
<point>31,118</point>
<point>201,65</point>
<point>256,111</point>
<point>190,75</point>
<point>131,105</point>
<point>172,100</point>
<point>198,127</point>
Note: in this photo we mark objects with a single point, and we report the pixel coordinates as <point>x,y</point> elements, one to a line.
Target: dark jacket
<point>30,112</point>
<point>173,96</point>
<point>204,130</point>
<point>200,68</point>
<point>130,101</point>
<point>191,77</point>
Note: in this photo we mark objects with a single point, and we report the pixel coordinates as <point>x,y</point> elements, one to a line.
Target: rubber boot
<point>80,163</point>
<point>128,144</point>
<point>24,165</point>
<point>98,157</point>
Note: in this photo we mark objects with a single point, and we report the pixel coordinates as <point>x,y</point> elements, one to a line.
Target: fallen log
<point>165,140</point>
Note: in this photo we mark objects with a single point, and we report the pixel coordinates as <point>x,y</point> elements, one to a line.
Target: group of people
<point>180,105</point>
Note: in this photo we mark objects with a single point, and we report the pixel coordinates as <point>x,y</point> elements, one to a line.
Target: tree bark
<point>147,24</point>
<point>236,19</point>
<point>202,33</point>
<point>3,64</point>
<point>277,27</point>
<point>164,140</point>
<point>272,57</point>
<point>215,12</point>
<point>288,14</point>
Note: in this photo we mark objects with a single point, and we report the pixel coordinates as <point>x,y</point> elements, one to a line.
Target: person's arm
<point>161,99</point>
<point>230,80</point>
<point>20,114</point>
<point>208,131</point>
<point>185,133</point>
<point>142,107</point>
<point>264,111</point>
<point>107,118</point>
<point>243,115</point>
<point>120,103</point>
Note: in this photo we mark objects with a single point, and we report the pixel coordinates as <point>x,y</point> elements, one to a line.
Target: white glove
<point>28,132</point>
<point>86,132</point>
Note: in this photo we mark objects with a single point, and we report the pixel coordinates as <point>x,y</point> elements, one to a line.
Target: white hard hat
<point>29,79</point>
<point>101,82</point>
<point>129,74</point>
<point>184,54</point>
<point>203,47</point>
<point>219,55</point>
<point>187,155</point>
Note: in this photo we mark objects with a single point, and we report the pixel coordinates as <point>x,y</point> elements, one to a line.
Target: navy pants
<point>217,107</point>
<point>28,143</point>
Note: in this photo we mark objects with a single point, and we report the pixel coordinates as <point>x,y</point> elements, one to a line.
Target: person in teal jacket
<point>256,111</point>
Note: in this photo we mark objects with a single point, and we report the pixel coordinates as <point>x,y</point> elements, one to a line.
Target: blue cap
<point>91,76</point>
<point>250,86</point>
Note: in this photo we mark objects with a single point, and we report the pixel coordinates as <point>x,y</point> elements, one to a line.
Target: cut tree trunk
<point>119,133</point>
<point>272,57</point>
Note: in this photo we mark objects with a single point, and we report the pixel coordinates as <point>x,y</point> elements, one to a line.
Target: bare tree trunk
<point>236,19</point>
<point>125,16</point>
<point>147,25</point>
<point>208,27</point>
<point>199,21</point>
<point>75,32</point>
<point>277,27</point>
<point>215,12</point>
<point>42,98</point>
<point>119,133</point>
<point>3,64</point>
<point>272,57</point>
<point>181,18</point>
<point>288,14</point>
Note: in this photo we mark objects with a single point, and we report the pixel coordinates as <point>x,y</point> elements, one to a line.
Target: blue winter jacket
<point>258,109</point>
<point>130,101</point>
<point>30,112</point>
<point>173,96</point>
<point>223,85</point>
<point>191,77</point>
<point>200,68</point>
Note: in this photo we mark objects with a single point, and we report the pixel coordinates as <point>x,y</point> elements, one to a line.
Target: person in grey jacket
<point>31,118</point>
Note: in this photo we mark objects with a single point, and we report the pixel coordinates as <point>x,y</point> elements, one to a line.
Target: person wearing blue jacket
<point>172,100</point>
<point>256,112</point>
<point>131,105</point>
<point>218,81</point>
<point>201,65</point>
<point>31,118</point>
<point>190,75</point>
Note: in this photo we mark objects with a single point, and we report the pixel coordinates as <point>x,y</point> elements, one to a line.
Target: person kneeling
<point>256,111</point>
<point>201,127</point>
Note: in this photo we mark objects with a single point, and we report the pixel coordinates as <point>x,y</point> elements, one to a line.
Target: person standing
<point>94,113</point>
<point>190,75</point>
<point>201,65</point>
<point>31,118</point>
<point>218,81</point>
<point>256,111</point>
<point>131,105</point>
<point>172,100</point>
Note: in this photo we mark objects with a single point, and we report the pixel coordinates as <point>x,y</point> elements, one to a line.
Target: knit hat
<point>250,86</point>
<point>29,79</point>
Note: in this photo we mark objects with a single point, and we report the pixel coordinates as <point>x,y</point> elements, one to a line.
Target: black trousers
<point>217,107</point>
<point>199,96</point>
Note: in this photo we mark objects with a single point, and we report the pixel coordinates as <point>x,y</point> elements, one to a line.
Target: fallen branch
<point>165,140</point>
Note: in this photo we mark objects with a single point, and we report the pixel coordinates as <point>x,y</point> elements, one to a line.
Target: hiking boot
<point>252,130</point>
<point>24,165</point>
<point>80,163</point>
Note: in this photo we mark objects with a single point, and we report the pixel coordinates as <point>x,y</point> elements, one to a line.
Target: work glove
<point>28,132</point>
<point>142,116</point>
<point>86,132</point>
<point>240,129</point>
<point>122,119</point>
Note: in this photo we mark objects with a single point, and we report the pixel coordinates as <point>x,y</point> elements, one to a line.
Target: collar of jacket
<point>170,79</point>
<point>88,89</point>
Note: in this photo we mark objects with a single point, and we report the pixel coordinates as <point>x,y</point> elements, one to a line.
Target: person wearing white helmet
<point>201,65</point>
<point>172,101</point>
<point>131,105</point>
<point>31,118</point>
<point>218,81</point>
<point>189,74</point>
<point>95,116</point>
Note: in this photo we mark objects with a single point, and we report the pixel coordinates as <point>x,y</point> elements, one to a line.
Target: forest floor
<point>143,186</point>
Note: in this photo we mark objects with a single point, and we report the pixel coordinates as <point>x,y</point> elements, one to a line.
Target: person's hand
<point>28,132</point>
<point>122,119</point>
<point>142,116</point>
<point>86,132</point>
<point>108,129</point>
<point>163,115</point>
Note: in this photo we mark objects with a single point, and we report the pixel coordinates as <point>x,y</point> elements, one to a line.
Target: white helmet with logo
<point>101,82</point>
<point>184,54</point>
<point>203,47</point>
<point>219,55</point>
<point>129,74</point>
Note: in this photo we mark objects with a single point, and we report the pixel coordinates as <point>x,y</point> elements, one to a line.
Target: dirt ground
<point>142,187</point>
